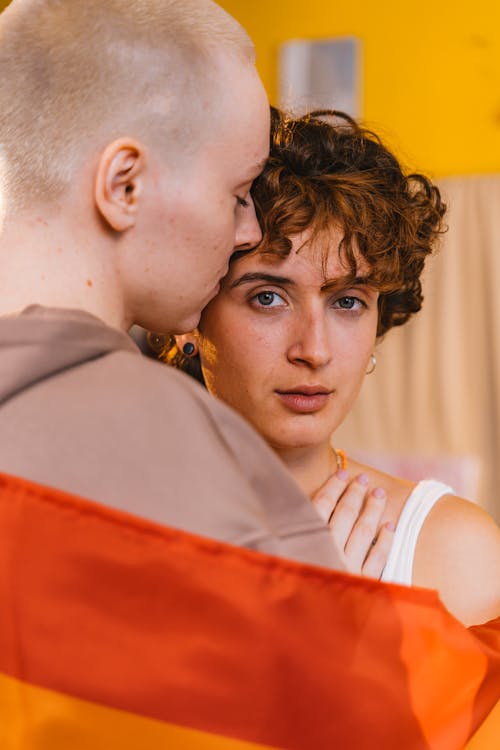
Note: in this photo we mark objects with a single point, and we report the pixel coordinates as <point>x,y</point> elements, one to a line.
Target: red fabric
<point>106,607</point>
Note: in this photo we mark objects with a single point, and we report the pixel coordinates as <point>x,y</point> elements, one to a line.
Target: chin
<point>293,441</point>
<point>186,324</point>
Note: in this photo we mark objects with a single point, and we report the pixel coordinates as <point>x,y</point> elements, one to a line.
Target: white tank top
<point>399,566</point>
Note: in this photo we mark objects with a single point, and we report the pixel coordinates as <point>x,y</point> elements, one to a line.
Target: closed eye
<point>243,202</point>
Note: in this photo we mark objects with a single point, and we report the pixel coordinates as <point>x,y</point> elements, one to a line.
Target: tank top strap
<point>399,567</point>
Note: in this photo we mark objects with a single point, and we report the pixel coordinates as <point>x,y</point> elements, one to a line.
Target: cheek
<point>234,364</point>
<point>227,364</point>
<point>206,226</point>
<point>217,348</point>
<point>219,221</point>
<point>355,354</point>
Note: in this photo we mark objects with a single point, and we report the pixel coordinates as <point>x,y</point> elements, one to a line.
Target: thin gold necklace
<point>340,458</point>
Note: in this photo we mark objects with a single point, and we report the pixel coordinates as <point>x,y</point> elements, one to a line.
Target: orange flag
<point>119,633</point>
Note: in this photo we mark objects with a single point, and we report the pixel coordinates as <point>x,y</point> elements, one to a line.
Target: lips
<point>305,399</point>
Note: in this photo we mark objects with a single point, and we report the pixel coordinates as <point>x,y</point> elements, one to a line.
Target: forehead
<point>240,117</point>
<point>314,259</point>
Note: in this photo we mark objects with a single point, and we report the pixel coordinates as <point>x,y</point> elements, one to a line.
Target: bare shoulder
<point>458,553</point>
<point>397,490</point>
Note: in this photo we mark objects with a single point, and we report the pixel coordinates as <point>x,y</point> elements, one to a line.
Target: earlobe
<point>118,183</point>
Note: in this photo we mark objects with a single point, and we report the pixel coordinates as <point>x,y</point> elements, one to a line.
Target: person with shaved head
<point>130,134</point>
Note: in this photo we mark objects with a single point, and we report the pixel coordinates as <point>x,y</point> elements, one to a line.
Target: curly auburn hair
<point>324,170</point>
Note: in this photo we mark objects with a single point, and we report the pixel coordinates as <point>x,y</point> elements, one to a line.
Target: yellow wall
<point>431,70</point>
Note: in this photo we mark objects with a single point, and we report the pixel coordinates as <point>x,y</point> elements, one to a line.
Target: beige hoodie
<point>82,410</point>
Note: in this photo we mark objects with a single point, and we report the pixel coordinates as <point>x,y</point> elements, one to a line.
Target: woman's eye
<point>243,202</point>
<point>268,299</point>
<point>349,303</point>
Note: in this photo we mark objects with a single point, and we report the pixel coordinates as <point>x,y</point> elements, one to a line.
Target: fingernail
<point>363,479</point>
<point>390,526</point>
<point>379,492</point>
<point>342,474</point>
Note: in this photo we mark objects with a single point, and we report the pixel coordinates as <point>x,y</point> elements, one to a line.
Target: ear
<point>188,338</point>
<point>118,183</point>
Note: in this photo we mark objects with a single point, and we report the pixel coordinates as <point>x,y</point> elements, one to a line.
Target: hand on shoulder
<point>458,553</point>
<point>354,512</point>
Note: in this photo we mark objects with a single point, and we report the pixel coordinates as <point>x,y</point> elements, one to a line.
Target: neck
<point>54,262</point>
<point>310,467</point>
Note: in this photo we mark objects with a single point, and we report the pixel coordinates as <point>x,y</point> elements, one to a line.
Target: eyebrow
<point>345,281</point>
<point>258,276</point>
<point>270,278</point>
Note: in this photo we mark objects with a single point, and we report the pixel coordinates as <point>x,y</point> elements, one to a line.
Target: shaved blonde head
<point>76,74</point>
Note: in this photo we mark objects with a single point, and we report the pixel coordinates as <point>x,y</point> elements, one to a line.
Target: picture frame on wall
<point>320,74</point>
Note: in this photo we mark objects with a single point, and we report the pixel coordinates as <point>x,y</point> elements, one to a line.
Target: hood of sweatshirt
<point>38,342</point>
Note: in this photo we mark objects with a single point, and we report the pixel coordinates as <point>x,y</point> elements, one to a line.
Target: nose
<point>248,233</point>
<point>311,343</point>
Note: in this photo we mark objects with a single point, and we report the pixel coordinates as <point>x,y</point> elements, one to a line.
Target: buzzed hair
<point>75,74</point>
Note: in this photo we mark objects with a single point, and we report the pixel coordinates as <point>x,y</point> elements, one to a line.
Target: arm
<point>458,553</point>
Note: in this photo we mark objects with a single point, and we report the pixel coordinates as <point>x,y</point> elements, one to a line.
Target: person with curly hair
<point>288,340</point>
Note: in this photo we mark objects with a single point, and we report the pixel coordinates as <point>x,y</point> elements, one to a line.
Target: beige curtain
<point>432,406</point>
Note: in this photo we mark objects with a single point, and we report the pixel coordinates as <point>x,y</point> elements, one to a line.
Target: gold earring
<point>373,361</point>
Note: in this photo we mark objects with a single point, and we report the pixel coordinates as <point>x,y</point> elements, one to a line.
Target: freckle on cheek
<point>89,282</point>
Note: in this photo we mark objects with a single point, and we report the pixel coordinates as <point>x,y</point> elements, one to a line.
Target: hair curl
<point>324,170</point>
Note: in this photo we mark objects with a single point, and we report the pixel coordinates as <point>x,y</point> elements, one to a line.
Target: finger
<point>326,498</point>
<point>377,556</point>
<point>347,510</point>
<point>364,530</point>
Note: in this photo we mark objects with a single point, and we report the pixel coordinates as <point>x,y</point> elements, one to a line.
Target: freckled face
<point>287,342</point>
